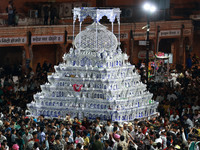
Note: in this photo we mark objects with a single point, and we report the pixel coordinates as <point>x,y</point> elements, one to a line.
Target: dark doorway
<point>44,53</point>
<point>11,59</point>
<point>165,45</point>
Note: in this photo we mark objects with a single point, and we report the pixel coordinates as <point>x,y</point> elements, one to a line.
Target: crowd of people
<point>175,127</point>
<point>49,14</point>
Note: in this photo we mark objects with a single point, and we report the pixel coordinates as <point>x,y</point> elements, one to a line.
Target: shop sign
<point>195,17</point>
<point>122,35</point>
<point>143,43</point>
<point>69,38</point>
<point>47,39</point>
<point>143,34</point>
<point>170,33</point>
<point>13,40</point>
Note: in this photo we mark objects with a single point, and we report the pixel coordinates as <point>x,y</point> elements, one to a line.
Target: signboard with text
<point>12,40</point>
<point>143,34</point>
<point>70,38</point>
<point>47,39</point>
<point>123,36</point>
<point>143,43</point>
<point>167,33</point>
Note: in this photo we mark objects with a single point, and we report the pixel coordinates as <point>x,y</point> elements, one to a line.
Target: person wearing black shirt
<point>46,14</point>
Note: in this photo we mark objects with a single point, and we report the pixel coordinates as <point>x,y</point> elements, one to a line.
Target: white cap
<point>126,123</point>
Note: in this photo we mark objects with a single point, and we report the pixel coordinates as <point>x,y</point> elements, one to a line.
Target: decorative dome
<point>90,40</point>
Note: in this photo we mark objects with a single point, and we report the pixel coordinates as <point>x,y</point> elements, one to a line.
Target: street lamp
<point>149,8</point>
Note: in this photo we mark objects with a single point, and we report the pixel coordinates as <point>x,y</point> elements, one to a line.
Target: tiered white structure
<point>95,79</point>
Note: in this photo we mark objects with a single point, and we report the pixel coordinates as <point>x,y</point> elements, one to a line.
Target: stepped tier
<point>112,92</point>
<point>95,79</point>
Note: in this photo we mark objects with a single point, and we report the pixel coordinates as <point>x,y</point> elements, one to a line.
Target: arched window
<point>101,117</point>
<point>53,94</point>
<point>91,106</point>
<point>130,117</point>
<point>55,113</point>
<point>44,113</point>
<point>74,62</point>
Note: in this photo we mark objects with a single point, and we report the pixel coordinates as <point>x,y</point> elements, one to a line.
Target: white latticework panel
<point>96,37</point>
